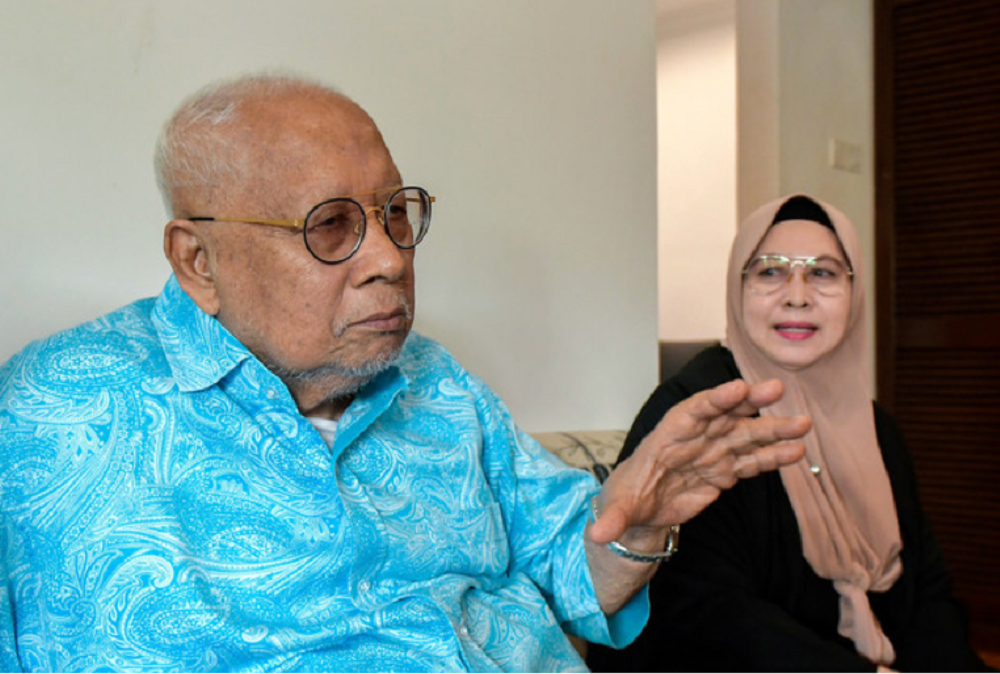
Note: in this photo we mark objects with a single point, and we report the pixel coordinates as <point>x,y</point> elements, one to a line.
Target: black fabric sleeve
<point>720,603</point>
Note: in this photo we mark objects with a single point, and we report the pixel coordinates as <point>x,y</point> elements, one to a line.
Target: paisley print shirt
<point>164,506</point>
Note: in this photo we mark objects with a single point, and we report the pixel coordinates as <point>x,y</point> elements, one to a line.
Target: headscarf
<point>846,512</point>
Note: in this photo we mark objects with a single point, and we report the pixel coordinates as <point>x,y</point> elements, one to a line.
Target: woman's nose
<point>797,292</point>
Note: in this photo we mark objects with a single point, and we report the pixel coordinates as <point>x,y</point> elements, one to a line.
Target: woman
<point>829,564</point>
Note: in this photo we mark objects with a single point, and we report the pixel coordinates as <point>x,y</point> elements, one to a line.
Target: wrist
<point>657,550</point>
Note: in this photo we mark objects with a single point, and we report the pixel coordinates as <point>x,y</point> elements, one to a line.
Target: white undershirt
<point>327,428</point>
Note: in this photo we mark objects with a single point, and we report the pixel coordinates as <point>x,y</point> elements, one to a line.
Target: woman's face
<point>797,322</point>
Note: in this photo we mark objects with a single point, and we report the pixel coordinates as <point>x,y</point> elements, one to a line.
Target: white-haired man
<point>263,468</point>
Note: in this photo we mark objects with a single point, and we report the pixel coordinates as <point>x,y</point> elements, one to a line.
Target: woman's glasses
<point>767,274</point>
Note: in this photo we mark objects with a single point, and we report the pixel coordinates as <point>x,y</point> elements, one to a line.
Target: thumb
<point>610,524</point>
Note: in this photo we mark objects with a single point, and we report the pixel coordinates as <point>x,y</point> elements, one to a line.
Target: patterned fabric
<point>165,507</point>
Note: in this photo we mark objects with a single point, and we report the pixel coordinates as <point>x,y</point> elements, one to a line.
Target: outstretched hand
<point>701,446</point>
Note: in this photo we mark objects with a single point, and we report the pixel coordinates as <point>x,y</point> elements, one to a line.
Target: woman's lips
<point>796,331</point>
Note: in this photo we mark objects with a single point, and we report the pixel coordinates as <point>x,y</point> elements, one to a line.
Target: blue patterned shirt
<point>165,506</point>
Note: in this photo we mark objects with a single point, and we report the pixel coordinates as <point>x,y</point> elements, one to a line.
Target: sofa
<point>594,451</point>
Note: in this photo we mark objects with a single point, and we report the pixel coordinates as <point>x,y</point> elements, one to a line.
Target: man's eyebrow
<point>375,192</point>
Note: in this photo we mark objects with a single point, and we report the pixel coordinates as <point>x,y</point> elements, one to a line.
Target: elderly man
<point>264,469</point>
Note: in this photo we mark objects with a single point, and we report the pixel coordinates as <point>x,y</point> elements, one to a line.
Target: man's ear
<point>190,254</point>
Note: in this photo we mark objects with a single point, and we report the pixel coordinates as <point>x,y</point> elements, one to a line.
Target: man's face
<point>322,328</point>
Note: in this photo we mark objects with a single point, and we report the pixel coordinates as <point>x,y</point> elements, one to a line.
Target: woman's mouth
<point>794,330</point>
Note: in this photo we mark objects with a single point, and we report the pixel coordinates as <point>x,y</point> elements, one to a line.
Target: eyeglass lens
<point>769,273</point>
<point>334,229</point>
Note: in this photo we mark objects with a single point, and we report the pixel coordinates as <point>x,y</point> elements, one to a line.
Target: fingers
<point>691,418</point>
<point>708,426</point>
<point>767,458</point>
<point>701,446</point>
<point>717,401</point>
<point>735,397</point>
<point>766,393</point>
<point>750,434</point>
<point>743,403</point>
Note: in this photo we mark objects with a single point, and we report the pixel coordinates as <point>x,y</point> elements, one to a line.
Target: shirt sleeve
<point>546,508</point>
<point>9,660</point>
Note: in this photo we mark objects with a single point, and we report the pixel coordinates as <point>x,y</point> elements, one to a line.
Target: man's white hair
<point>192,150</point>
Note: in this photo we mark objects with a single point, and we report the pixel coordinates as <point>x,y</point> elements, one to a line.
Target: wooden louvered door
<point>938,288</point>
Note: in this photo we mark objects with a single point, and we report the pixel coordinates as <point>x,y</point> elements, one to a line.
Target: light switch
<point>845,156</point>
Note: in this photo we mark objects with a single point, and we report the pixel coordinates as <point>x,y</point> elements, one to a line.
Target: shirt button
<point>271,394</point>
<point>364,586</point>
<point>464,631</point>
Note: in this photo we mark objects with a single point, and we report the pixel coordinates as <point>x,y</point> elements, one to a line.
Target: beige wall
<point>826,93</point>
<point>696,123</point>
<point>532,120</point>
<point>802,75</point>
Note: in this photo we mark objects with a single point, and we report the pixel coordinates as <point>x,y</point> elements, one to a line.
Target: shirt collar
<point>370,403</point>
<point>199,350</point>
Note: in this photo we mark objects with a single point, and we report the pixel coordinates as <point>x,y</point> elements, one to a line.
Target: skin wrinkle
<point>303,319</point>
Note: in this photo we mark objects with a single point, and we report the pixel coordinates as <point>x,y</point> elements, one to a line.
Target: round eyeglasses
<point>767,274</point>
<point>334,229</point>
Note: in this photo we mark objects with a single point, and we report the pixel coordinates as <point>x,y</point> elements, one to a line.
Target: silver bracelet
<point>647,557</point>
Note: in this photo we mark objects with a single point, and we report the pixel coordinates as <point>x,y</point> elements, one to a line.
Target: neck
<point>322,399</point>
<point>326,409</point>
<point>327,391</point>
<point>328,395</point>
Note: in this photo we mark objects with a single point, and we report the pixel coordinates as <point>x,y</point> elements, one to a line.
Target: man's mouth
<point>386,321</point>
<point>794,330</point>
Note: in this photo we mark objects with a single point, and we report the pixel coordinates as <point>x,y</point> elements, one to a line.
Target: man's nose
<point>379,256</point>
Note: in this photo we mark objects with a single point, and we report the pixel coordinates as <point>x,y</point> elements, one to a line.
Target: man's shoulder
<point>119,347</point>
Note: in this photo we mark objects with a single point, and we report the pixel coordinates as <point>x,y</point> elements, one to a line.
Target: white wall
<point>532,121</point>
<point>696,112</point>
